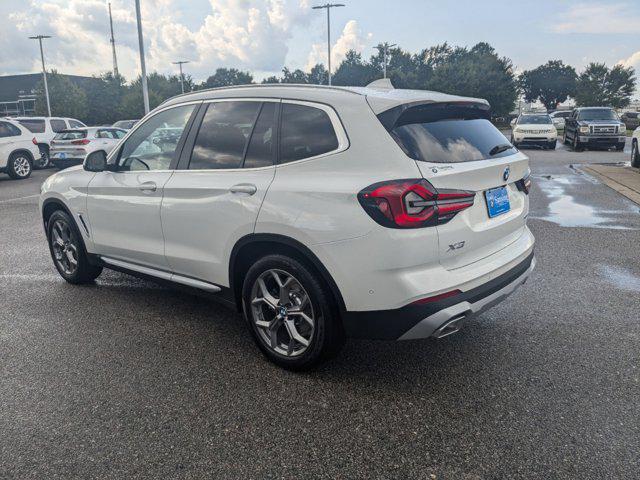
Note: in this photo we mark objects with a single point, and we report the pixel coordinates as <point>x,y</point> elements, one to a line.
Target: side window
<point>261,145</point>
<point>8,130</point>
<point>76,124</point>
<point>57,125</point>
<point>102,134</point>
<point>153,145</point>
<point>118,134</point>
<point>223,135</point>
<point>306,132</point>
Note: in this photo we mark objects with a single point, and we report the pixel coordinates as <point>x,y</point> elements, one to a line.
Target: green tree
<point>318,75</point>
<point>353,71</point>
<point>402,67</point>
<point>601,86</point>
<point>67,99</point>
<point>294,76</point>
<point>104,97</point>
<point>476,72</point>
<point>225,77</point>
<point>551,83</point>
<point>271,79</point>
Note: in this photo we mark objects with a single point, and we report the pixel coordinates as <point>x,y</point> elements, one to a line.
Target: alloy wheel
<point>21,166</point>
<point>282,313</point>
<point>65,248</point>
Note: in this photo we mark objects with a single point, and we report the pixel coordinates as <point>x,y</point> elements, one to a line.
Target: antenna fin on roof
<point>381,84</point>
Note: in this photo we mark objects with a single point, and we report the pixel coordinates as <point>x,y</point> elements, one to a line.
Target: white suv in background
<point>319,212</point>
<point>69,147</point>
<point>18,151</point>
<point>44,129</point>
<point>534,129</point>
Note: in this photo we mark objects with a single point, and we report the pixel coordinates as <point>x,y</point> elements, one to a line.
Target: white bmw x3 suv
<point>319,212</point>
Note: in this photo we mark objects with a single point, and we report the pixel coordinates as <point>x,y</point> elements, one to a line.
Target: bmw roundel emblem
<point>505,174</point>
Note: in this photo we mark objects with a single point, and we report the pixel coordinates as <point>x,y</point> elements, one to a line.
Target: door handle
<point>148,187</point>
<point>247,188</point>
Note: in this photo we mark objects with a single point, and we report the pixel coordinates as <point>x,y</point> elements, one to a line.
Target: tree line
<point>476,71</point>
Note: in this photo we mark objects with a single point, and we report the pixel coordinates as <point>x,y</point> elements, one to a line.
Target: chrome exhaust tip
<point>449,327</point>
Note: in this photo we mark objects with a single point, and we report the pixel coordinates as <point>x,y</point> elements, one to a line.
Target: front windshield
<point>534,120</point>
<point>597,114</point>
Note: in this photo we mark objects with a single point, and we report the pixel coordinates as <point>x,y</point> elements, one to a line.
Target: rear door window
<point>76,124</point>
<point>441,134</point>
<point>57,125</point>
<point>261,146</point>
<point>224,135</point>
<point>33,125</point>
<point>306,132</point>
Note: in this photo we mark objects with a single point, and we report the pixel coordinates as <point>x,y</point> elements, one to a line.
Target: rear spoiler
<point>433,110</point>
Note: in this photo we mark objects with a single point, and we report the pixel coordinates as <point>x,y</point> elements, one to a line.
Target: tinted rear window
<point>442,135</point>
<point>34,126</point>
<point>306,132</point>
<point>58,125</point>
<point>70,135</point>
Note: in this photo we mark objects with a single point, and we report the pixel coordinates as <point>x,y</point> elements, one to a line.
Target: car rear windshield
<point>597,114</point>
<point>445,134</point>
<point>34,126</point>
<point>71,135</point>
<point>534,120</point>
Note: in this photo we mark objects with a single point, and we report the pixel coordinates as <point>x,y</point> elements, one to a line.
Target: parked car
<point>635,148</point>
<point>70,147</point>
<point>45,128</point>
<point>18,152</point>
<point>559,117</point>
<point>594,127</point>
<point>534,129</point>
<point>631,120</point>
<point>344,211</point>
<point>125,124</point>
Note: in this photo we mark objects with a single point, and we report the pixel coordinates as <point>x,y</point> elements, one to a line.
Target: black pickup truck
<point>594,127</point>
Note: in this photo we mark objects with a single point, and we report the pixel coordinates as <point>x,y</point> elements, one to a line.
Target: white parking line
<point>19,198</point>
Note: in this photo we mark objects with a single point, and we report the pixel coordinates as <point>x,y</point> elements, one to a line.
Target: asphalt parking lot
<point>127,379</point>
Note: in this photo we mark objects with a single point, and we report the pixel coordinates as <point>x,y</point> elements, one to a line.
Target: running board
<point>161,274</point>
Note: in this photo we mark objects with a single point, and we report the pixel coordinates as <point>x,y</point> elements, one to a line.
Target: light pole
<point>143,68</point>
<point>180,63</point>
<point>385,55</point>
<point>44,71</point>
<point>329,6</point>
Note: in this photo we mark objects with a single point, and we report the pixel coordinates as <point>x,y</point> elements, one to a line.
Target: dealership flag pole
<point>143,68</point>
<point>44,71</point>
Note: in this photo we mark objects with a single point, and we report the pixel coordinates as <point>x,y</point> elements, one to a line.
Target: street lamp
<point>143,68</point>
<point>328,6</point>
<point>385,55</point>
<point>180,63</point>
<point>44,71</point>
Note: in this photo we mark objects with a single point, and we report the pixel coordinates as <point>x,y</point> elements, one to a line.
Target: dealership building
<point>18,92</point>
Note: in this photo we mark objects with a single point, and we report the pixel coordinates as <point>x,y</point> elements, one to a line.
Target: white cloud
<point>249,34</point>
<point>598,18</point>
<point>632,61</point>
<point>350,39</point>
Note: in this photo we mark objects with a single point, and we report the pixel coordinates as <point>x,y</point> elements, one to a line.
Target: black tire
<point>619,148</point>
<point>325,338</point>
<point>552,146</point>
<point>72,244</point>
<point>45,160</point>
<point>635,155</point>
<point>565,141</point>
<point>513,142</point>
<point>19,166</point>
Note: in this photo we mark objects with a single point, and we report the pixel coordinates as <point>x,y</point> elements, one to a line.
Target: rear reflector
<point>412,203</point>
<point>34,141</point>
<point>436,298</point>
<point>80,142</point>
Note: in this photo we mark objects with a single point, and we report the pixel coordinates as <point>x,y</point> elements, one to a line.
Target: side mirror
<point>95,161</point>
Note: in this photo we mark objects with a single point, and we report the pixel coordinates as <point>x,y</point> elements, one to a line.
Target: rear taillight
<point>80,142</point>
<point>524,184</point>
<point>412,203</point>
<point>34,141</point>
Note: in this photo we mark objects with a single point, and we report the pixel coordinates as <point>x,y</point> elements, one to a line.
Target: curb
<point>629,192</point>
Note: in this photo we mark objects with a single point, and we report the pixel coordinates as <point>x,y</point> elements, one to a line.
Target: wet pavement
<point>126,379</point>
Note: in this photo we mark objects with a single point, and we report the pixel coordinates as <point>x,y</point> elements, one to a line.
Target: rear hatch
<point>69,144</point>
<point>455,146</point>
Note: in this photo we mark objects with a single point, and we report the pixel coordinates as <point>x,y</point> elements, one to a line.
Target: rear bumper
<point>415,321</point>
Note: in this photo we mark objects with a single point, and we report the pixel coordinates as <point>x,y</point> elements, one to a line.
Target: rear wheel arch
<point>252,247</point>
<point>23,151</point>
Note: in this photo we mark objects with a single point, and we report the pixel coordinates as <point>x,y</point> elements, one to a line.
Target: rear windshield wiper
<point>499,149</point>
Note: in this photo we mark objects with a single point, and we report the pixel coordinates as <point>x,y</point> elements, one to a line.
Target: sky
<point>262,36</point>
